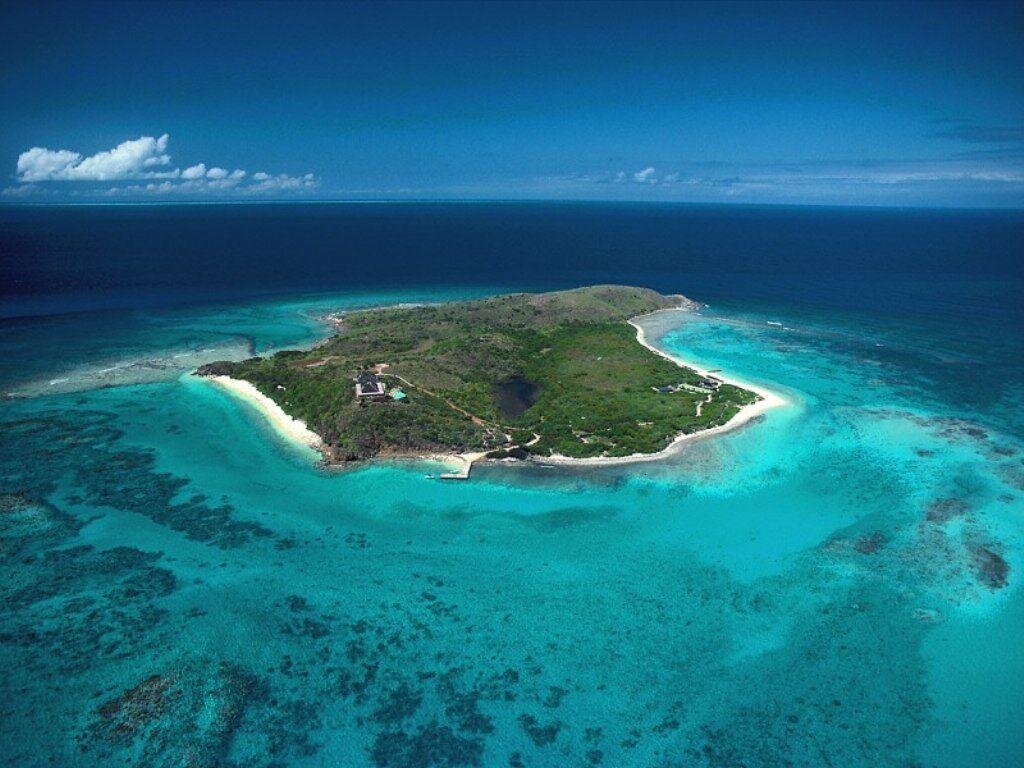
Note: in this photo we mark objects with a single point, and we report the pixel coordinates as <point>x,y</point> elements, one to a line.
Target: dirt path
<point>704,401</point>
<point>471,416</point>
<point>318,363</point>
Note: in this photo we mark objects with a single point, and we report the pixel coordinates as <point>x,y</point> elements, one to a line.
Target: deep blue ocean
<point>837,583</point>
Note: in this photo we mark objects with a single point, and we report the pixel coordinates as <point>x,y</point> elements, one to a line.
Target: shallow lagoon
<point>821,587</point>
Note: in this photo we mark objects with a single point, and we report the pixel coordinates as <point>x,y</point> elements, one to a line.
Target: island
<point>563,376</point>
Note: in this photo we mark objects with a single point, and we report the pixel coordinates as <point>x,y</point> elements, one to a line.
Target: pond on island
<point>515,396</point>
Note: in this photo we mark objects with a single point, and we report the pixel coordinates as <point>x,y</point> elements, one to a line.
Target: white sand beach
<point>461,463</point>
<point>294,430</point>
<point>768,400</point>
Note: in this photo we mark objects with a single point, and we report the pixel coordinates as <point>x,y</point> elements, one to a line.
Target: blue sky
<point>892,104</point>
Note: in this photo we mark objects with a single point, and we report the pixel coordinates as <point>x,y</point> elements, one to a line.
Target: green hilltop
<point>541,373</point>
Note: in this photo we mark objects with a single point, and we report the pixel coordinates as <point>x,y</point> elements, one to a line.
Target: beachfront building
<point>706,385</point>
<point>369,387</point>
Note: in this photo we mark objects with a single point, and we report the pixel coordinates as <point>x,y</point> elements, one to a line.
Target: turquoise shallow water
<point>834,584</point>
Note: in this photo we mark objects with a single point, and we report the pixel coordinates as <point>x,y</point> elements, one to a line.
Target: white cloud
<point>38,164</point>
<point>145,158</point>
<point>646,176</point>
<point>263,183</point>
<point>282,183</point>
<point>128,160</point>
<point>194,171</point>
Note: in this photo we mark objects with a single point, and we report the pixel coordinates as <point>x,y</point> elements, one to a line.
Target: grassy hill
<point>562,371</point>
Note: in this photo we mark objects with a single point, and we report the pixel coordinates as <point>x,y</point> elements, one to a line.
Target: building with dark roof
<point>369,386</point>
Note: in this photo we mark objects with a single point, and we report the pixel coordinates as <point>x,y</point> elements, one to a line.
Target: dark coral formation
<point>121,718</point>
<point>114,615</point>
<point>542,735</point>
<point>989,567</point>
<point>943,510</point>
<point>112,475</point>
<point>431,744</point>
<point>187,716</point>
<point>870,543</point>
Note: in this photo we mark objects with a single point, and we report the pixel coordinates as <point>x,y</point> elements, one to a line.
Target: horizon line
<point>498,201</point>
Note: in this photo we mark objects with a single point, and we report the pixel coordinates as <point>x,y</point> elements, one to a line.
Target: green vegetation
<point>562,371</point>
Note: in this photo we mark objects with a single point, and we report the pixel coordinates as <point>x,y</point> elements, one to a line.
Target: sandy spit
<point>294,430</point>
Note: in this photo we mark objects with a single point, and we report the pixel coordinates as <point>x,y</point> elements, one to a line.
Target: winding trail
<point>473,417</point>
<point>705,401</point>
